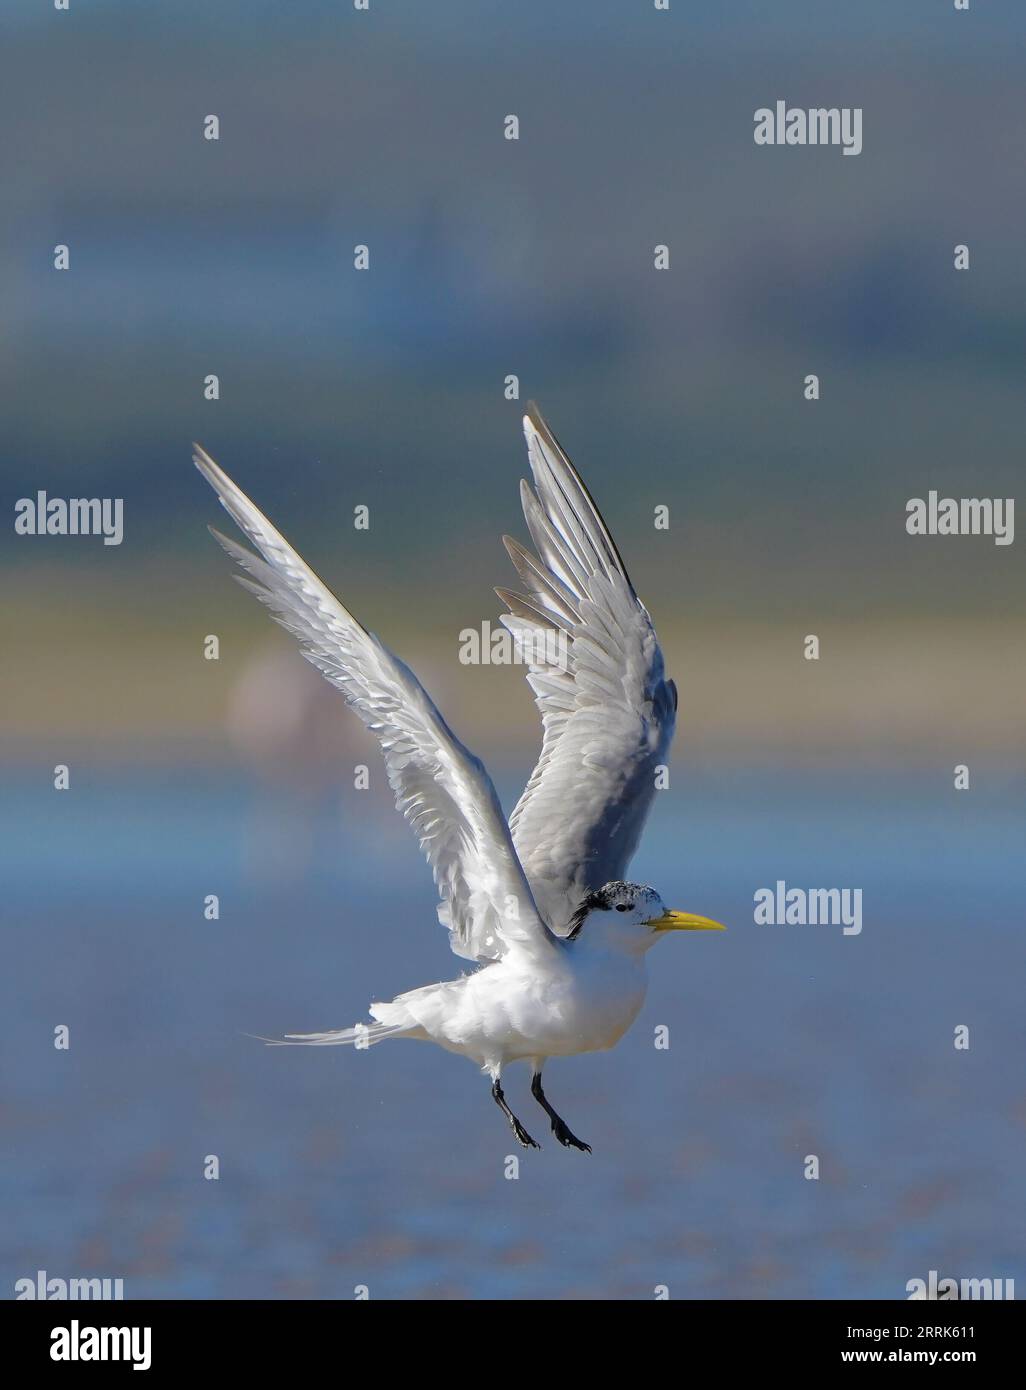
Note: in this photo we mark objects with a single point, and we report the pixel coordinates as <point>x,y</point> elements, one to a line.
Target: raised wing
<point>596,668</point>
<point>441,788</point>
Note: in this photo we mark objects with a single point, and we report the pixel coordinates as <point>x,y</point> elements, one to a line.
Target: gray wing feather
<point>608,710</point>
<point>440,788</point>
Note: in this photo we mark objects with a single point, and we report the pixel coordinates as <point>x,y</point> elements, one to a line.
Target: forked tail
<point>363,1035</point>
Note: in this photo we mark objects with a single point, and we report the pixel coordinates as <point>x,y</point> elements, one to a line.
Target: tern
<point>539,904</point>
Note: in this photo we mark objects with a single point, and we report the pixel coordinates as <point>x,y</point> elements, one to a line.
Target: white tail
<point>363,1035</point>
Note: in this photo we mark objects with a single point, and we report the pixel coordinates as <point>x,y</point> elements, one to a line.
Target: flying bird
<point>540,903</point>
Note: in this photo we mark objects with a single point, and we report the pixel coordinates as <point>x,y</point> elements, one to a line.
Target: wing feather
<point>608,710</point>
<point>441,789</point>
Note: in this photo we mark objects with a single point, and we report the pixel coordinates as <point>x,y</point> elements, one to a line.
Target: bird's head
<point>632,916</point>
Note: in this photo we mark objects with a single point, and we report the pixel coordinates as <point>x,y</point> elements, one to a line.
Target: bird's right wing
<point>441,788</point>
<point>596,668</point>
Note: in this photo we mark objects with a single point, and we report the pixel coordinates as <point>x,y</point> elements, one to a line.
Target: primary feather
<point>441,788</point>
<point>608,710</point>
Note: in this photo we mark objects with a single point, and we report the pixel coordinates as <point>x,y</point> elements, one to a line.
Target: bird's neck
<point>608,939</point>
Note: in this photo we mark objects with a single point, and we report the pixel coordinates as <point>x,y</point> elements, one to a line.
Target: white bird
<point>539,903</point>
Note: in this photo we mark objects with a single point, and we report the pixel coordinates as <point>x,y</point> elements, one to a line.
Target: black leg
<point>519,1132</point>
<point>559,1125</point>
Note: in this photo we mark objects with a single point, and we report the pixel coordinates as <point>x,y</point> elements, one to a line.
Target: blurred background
<point>385,389</point>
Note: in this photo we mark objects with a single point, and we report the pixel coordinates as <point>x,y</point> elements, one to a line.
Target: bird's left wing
<point>442,789</point>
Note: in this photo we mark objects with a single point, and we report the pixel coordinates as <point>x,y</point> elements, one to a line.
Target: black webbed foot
<point>560,1128</point>
<point>568,1139</point>
<point>520,1134</point>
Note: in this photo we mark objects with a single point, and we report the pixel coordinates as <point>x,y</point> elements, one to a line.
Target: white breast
<point>511,1010</point>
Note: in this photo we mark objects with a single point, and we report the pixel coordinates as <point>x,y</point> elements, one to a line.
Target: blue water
<point>387,1168</point>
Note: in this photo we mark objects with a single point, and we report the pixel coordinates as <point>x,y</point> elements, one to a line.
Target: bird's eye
<point>624,907</point>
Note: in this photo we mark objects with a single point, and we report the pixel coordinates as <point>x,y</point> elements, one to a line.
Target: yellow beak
<point>684,921</point>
